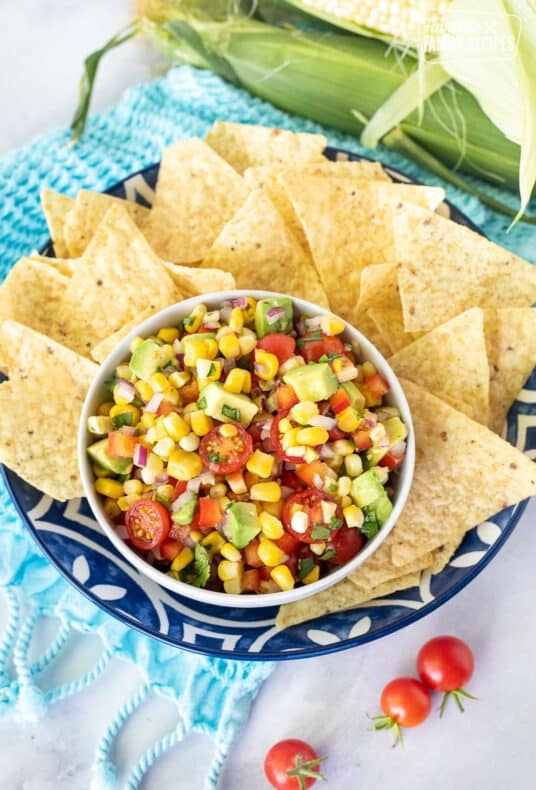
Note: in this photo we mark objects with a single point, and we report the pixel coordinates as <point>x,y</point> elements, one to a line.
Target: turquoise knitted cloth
<point>212,695</point>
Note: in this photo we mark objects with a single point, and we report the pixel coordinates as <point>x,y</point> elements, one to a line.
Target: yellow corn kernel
<point>195,535</point>
<point>179,378</point>
<point>247,343</point>
<point>213,542</point>
<point>236,483</point>
<point>132,487</point>
<point>344,485</point>
<point>183,465</point>
<point>124,502</point>
<point>312,576</point>
<point>182,559</point>
<point>171,394</point>
<point>152,468</point>
<point>310,437</point>
<point>237,381</point>
<point>165,493</point>
<point>211,348</point>
<point>348,420</point>
<point>159,430</point>
<point>331,325</point>
<point>163,447</point>
<point>266,364</point>
<point>135,343</point>
<point>343,447</point>
<point>282,577</point>
<point>271,526</point>
<point>233,586</point>
<point>104,408</point>
<point>188,409</point>
<point>217,491</point>
<point>229,346</point>
<point>249,311</point>
<point>100,471</point>
<point>148,420</point>
<point>127,408</point>
<point>273,508</point>
<point>190,443</point>
<point>158,382</point>
<point>368,369</point>
<point>144,390</point>
<point>284,425</point>
<point>270,553</point>
<point>230,552</point>
<point>124,372</point>
<point>228,430</point>
<point>207,370</point>
<point>337,365</point>
<point>304,411</point>
<point>175,426</point>
<point>318,548</point>
<point>236,319</point>
<point>111,508</point>
<point>110,488</point>
<point>250,479</point>
<point>168,334</point>
<point>194,348</point>
<point>266,492</point>
<point>353,516</point>
<point>260,464</point>
<point>228,571</point>
<point>290,438</point>
<point>346,500</point>
<point>200,422</point>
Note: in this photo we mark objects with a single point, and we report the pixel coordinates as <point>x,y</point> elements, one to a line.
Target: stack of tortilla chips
<point>259,208</point>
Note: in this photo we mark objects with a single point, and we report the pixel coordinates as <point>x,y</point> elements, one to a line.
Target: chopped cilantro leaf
<point>327,555</point>
<point>211,370</point>
<point>324,358</point>
<point>335,523</point>
<point>110,384</point>
<point>202,403</point>
<point>188,321</point>
<point>313,336</point>
<point>320,533</point>
<point>370,526</point>
<point>125,418</point>
<point>231,412</point>
<point>198,572</point>
<point>305,567</point>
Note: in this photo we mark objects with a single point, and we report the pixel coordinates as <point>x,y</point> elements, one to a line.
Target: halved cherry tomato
<point>169,549</point>
<point>391,461</point>
<point>362,439</point>
<point>285,397</point>
<point>283,346</point>
<point>289,480</point>
<point>376,385</point>
<point>251,581</point>
<point>340,401</point>
<point>209,512</point>
<point>346,543</point>
<point>308,472</point>
<point>225,454</point>
<point>288,765</point>
<point>314,349</point>
<point>121,444</point>
<point>276,441</point>
<point>147,523</point>
<point>310,501</point>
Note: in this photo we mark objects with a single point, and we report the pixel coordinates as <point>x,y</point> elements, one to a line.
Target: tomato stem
<point>388,723</point>
<point>305,770</point>
<point>456,694</point>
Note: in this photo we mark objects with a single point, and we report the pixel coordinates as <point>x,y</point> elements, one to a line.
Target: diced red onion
<point>228,364</point>
<point>326,452</point>
<point>301,327</point>
<point>125,390</point>
<point>225,312</point>
<point>140,455</point>
<point>274,314</point>
<point>121,531</point>
<point>152,406</point>
<point>399,448</point>
<point>240,302</point>
<point>161,479</point>
<point>128,430</point>
<point>204,479</point>
<point>180,360</point>
<point>369,422</point>
<point>181,500</point>
<point>320,421</point>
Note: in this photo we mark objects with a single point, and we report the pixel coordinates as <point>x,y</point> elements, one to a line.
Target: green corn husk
<point>327,75</point>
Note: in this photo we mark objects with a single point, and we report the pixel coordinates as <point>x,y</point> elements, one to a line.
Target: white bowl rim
<point>170,315</point>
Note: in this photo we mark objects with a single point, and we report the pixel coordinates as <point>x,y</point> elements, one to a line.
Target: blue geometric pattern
<point>73,541</point>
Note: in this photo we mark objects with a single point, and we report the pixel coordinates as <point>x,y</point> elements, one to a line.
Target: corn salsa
<point>247,449</point>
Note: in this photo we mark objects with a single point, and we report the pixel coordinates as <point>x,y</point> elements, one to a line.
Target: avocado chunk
<point>243,523</point>
<point>374,455</point>
<point>357,399</point>
<point>366,489</point>
<point>226,406</point>
<point>149,357</point>
<point>396,430</point>
<point>315,381</point>
<point>98,452</point>
<point>264,324</point>
<point>383,508</point>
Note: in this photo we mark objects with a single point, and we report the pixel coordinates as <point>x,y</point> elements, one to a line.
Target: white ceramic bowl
<point>98,393</point>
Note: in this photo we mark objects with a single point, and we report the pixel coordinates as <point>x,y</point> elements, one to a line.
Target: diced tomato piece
<point>285,397</point>
<point>391,461</point>
<point>209,512</point>
<point>265,573</point>
<point>292,563</point>
<point>121,444</point>
<point>376,385</point>
<point>180,488</point>
<point>165,408</point>
<point>314,349</point>
<point>288,543</point>
<point>190,392</point>
<point>335,434</point>
<point>283,346</point>
<point>340,401</point>
<point>289,480</point>
<point>170,549</point>
<point>251,581</point>
<point>333,345</point>
<point>251,555</point>
<point>308,472</point>
<point>362,439</point>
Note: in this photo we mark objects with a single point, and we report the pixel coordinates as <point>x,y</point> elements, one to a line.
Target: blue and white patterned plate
<point>74,543</point>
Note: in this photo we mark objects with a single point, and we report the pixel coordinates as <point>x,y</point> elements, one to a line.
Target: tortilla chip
<point>464,474</point>
<point>379,567</point>
<point>32,294</point>
<point>196,194</point>
<point>347,224</point>
<point>119,276</point>
<point>106,346</point>
<point>62,265</point>
<point>40,439</point>
<point>192,282</point>
<point>367,326</point>
<point>443,555</point>
<point>261,253</point>
<point>244,145</point>
<point>267,178</point>
<point>341,596</point>
<point>389,324</point>
<point>454,269</point>
<point>87,213</point>
<point>451,362</point>
<point>511,344</point>
<point>361,170</point>
<point>56,208</point>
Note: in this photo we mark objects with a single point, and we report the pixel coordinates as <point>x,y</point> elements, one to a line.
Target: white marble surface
<point>324,700</point>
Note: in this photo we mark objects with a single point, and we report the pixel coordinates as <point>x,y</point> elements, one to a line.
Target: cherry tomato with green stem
<point>406,702</point>
<point>292,765</point>
<point>446,663</point>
